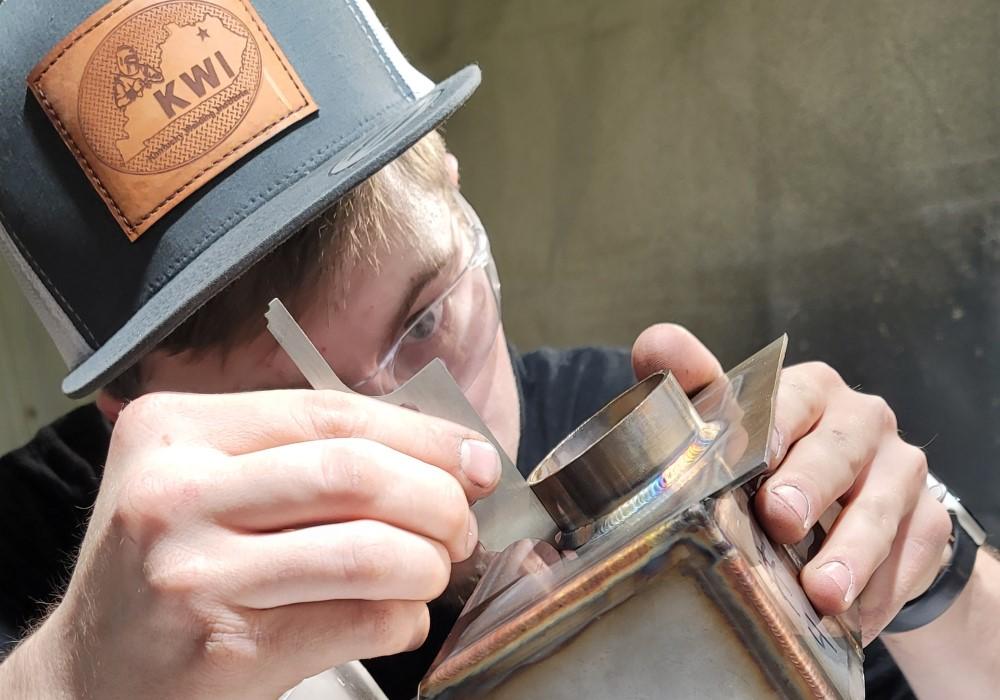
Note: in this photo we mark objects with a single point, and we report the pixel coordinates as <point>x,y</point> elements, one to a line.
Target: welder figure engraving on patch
<point>133,76</point>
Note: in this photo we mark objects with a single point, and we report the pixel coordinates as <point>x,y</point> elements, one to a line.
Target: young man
<point>236,532</point>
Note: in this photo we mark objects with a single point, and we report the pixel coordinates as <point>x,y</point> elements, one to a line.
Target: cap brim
<point>271,224</point>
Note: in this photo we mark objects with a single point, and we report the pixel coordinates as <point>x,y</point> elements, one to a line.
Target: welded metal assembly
<point>662,585</point>
<point>658,583</point>
<point>592,477</point>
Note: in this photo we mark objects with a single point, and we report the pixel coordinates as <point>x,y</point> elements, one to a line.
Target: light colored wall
<point>830,169</point>
<point>30,369</point>
<point>655,159</point>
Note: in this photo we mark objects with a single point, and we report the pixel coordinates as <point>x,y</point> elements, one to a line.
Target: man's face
<point>355,322</point>
<point>128,61</point>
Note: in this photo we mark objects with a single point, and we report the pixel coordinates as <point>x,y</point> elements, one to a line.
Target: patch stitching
<point>379,51</point>
<point>301,170</point>
<point>82,159</point>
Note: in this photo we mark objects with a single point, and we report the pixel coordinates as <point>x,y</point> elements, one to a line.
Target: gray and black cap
<point>160,148</point>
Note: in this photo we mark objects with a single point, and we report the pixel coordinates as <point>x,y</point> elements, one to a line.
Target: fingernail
<point>792,497</point>
<point>481,463</point>
<point>777,444</point>
<point>839,573</point>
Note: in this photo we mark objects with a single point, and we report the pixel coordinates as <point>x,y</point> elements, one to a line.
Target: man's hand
<point>833,444</point>
<point>241,543</point>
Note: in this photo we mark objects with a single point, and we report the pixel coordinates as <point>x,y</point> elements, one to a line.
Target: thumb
<point>673,348</point>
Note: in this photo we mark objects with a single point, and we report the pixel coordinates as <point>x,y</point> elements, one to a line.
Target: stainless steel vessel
<point>661,584</point>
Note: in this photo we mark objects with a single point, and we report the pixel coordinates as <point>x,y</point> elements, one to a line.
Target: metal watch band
<point>967,535</point>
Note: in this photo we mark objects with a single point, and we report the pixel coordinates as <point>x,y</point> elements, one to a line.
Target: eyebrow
<point>430,270</point>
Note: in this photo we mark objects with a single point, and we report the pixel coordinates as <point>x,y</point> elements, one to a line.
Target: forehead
<point>419,229</point>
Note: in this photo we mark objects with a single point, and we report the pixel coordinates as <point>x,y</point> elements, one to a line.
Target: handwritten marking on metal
<point>512,512</point>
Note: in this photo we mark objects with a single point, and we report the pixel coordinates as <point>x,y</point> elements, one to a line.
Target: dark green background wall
<point>825,168</point>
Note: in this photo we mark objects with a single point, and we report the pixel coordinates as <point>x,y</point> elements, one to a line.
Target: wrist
<point>971,617</point>
<point>955,655</point>
<point>40,666</point>
<point>967,536</point>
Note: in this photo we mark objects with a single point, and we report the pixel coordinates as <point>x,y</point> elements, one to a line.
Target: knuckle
<point>823,373</point>
<point>141,509</point>
<point>915,463</point>
<point>148,409</point>
<point>145,422</point>
<point>153,498</point>
<point>174,573</point>
<point>232,648</point>
<point>386,625</point>
<point>331,414</point>
<point>880,528</point>
<point>345,470</point>
<point>153,415</point>
<point>881,412</point>
<point>369,561</point>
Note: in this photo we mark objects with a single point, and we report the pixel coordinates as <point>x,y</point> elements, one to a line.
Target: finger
<point>364,560</point>
<point>863,535</point>
<point>673,348</point>
<point>821,466</point>
<point>242,423</point>
<point>298,641</point>
<point>803,393</point>
<point>909,569</point>
<point>330,481</point>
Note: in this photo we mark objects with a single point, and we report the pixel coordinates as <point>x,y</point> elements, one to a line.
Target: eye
<point>426,324</point>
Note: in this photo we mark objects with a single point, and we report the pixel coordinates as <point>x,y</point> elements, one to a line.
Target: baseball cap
<point>152,151</point>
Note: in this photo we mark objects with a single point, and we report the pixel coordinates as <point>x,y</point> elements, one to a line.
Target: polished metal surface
<point>673,574</point>
<point>615,452</point>
<point>348,681</point>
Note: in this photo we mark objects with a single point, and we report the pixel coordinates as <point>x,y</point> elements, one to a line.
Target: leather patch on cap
<point>156,98</point>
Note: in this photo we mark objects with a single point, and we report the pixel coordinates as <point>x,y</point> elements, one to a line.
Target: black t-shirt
<point>48,486</point>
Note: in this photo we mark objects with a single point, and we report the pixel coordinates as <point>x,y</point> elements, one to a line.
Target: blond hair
<point>351,231</point>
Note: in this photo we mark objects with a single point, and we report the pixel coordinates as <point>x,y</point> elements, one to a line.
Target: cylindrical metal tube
<point>615,452</point>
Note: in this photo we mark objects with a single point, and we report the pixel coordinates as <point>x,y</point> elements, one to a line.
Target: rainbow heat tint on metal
<point>669,481</point>
<point>665,586</point>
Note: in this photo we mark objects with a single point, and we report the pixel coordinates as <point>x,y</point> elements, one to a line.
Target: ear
<point>451,162</point>
<point>109,405</point>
